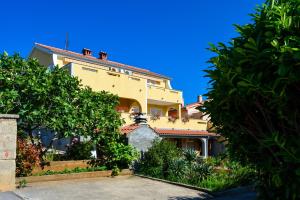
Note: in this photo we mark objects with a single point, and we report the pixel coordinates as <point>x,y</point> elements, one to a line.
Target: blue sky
<point>169,37</point>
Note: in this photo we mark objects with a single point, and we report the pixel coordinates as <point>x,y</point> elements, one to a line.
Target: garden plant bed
<point>209,191</point>
<point>69,176</point>
<point>61,165</point>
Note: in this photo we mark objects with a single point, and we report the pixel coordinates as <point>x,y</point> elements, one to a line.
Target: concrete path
<point>122,187</point>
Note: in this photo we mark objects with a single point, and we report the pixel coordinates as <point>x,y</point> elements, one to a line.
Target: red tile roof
<point>196,104</point>
<point>94,59</point>
<point>176,132</point>
<point>183,132</point>
<point>128,129</point>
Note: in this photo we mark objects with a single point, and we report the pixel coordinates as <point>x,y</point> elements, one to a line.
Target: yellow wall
<point>129,104</point>
<point>164,94</point>
<point>61,62</point>
<point>134,86</point>
<point>44,58</point>
<point>159,93</point>
<point>123,85</point>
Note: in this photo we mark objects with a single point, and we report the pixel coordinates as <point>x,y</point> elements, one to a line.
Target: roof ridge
<point>129,67</point>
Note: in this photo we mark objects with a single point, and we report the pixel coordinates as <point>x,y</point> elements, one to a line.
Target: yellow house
<point>139,90</point>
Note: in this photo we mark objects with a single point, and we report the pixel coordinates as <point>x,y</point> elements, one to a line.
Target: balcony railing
<point>163,94</point>
<point>165,122</point>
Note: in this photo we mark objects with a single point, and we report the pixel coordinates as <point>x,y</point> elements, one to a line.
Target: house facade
<point>139,90</point>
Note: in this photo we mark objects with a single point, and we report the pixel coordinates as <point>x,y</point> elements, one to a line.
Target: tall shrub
<point>157,160</point>
<point>254,96</point>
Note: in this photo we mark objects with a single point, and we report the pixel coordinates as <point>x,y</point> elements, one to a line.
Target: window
<point>89,69</point>
<point>155,112</point>
<point>128,72</point>
<point>113,69</point>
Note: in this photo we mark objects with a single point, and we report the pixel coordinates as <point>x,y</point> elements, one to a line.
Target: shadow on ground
<point>201,196</point>
<point>239,193</point>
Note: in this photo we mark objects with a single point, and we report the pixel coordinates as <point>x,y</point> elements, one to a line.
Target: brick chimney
<point>199,98</point>
<point>102,55</point>
<point>86,52</point>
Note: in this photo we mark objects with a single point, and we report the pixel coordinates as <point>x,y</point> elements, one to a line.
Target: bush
<point>254,97</point>
<point>79,150</point>
<point>157,160</point>
<point>164,160</point>
<point>190,155</point>
<point>177,170</point>
<point>115,156</point>
<point>28,156</point>
<point>225,179</point>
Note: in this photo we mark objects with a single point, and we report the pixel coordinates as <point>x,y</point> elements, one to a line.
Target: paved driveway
<point>122,187</point>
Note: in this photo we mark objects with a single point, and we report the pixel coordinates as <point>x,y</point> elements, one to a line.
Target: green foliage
<point>222,179</point>
<point>115,154</point>
<point>28,156</point>
<point>254,96</point>
<point>165,160</point>
<point>99,120</point>
<point>22,183</point>
<point>70,171</point>
<point>190,155</point>
<point>187,167</point>
<point>41,98</point>
<point>115,171</point>
<point>79,150</point>
<point>157,160</point>
<point>56,101</point>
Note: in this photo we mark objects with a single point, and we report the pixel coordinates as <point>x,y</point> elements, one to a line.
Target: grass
<point>70,171</point>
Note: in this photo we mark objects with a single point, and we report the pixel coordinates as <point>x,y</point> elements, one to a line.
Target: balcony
<point>127,86</point>
<point>165,122</point>
<point>158,94</point>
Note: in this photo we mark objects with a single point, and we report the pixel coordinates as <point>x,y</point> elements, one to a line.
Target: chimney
<point>199,98</point>
<point>102,55</point>
<point>86,52</point>
<point>140,118</point>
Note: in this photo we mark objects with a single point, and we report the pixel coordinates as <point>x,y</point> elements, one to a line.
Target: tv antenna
<point>67,41</point>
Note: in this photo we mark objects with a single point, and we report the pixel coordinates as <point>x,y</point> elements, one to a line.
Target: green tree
<point>254,96</point>
<point>56,101</point>
<point>42,98</point>
<point>99,120</point>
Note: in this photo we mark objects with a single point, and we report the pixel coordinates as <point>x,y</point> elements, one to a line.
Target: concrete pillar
<point>8,137</point>
<point>204,147</point>
<point>179,111</point>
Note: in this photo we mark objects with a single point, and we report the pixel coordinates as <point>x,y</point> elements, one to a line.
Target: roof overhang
<point>89,60</point>
<point>185,136</point>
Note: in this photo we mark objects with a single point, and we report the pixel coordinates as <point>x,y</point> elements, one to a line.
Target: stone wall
<point>8,136</point>
<point>142,138</point>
